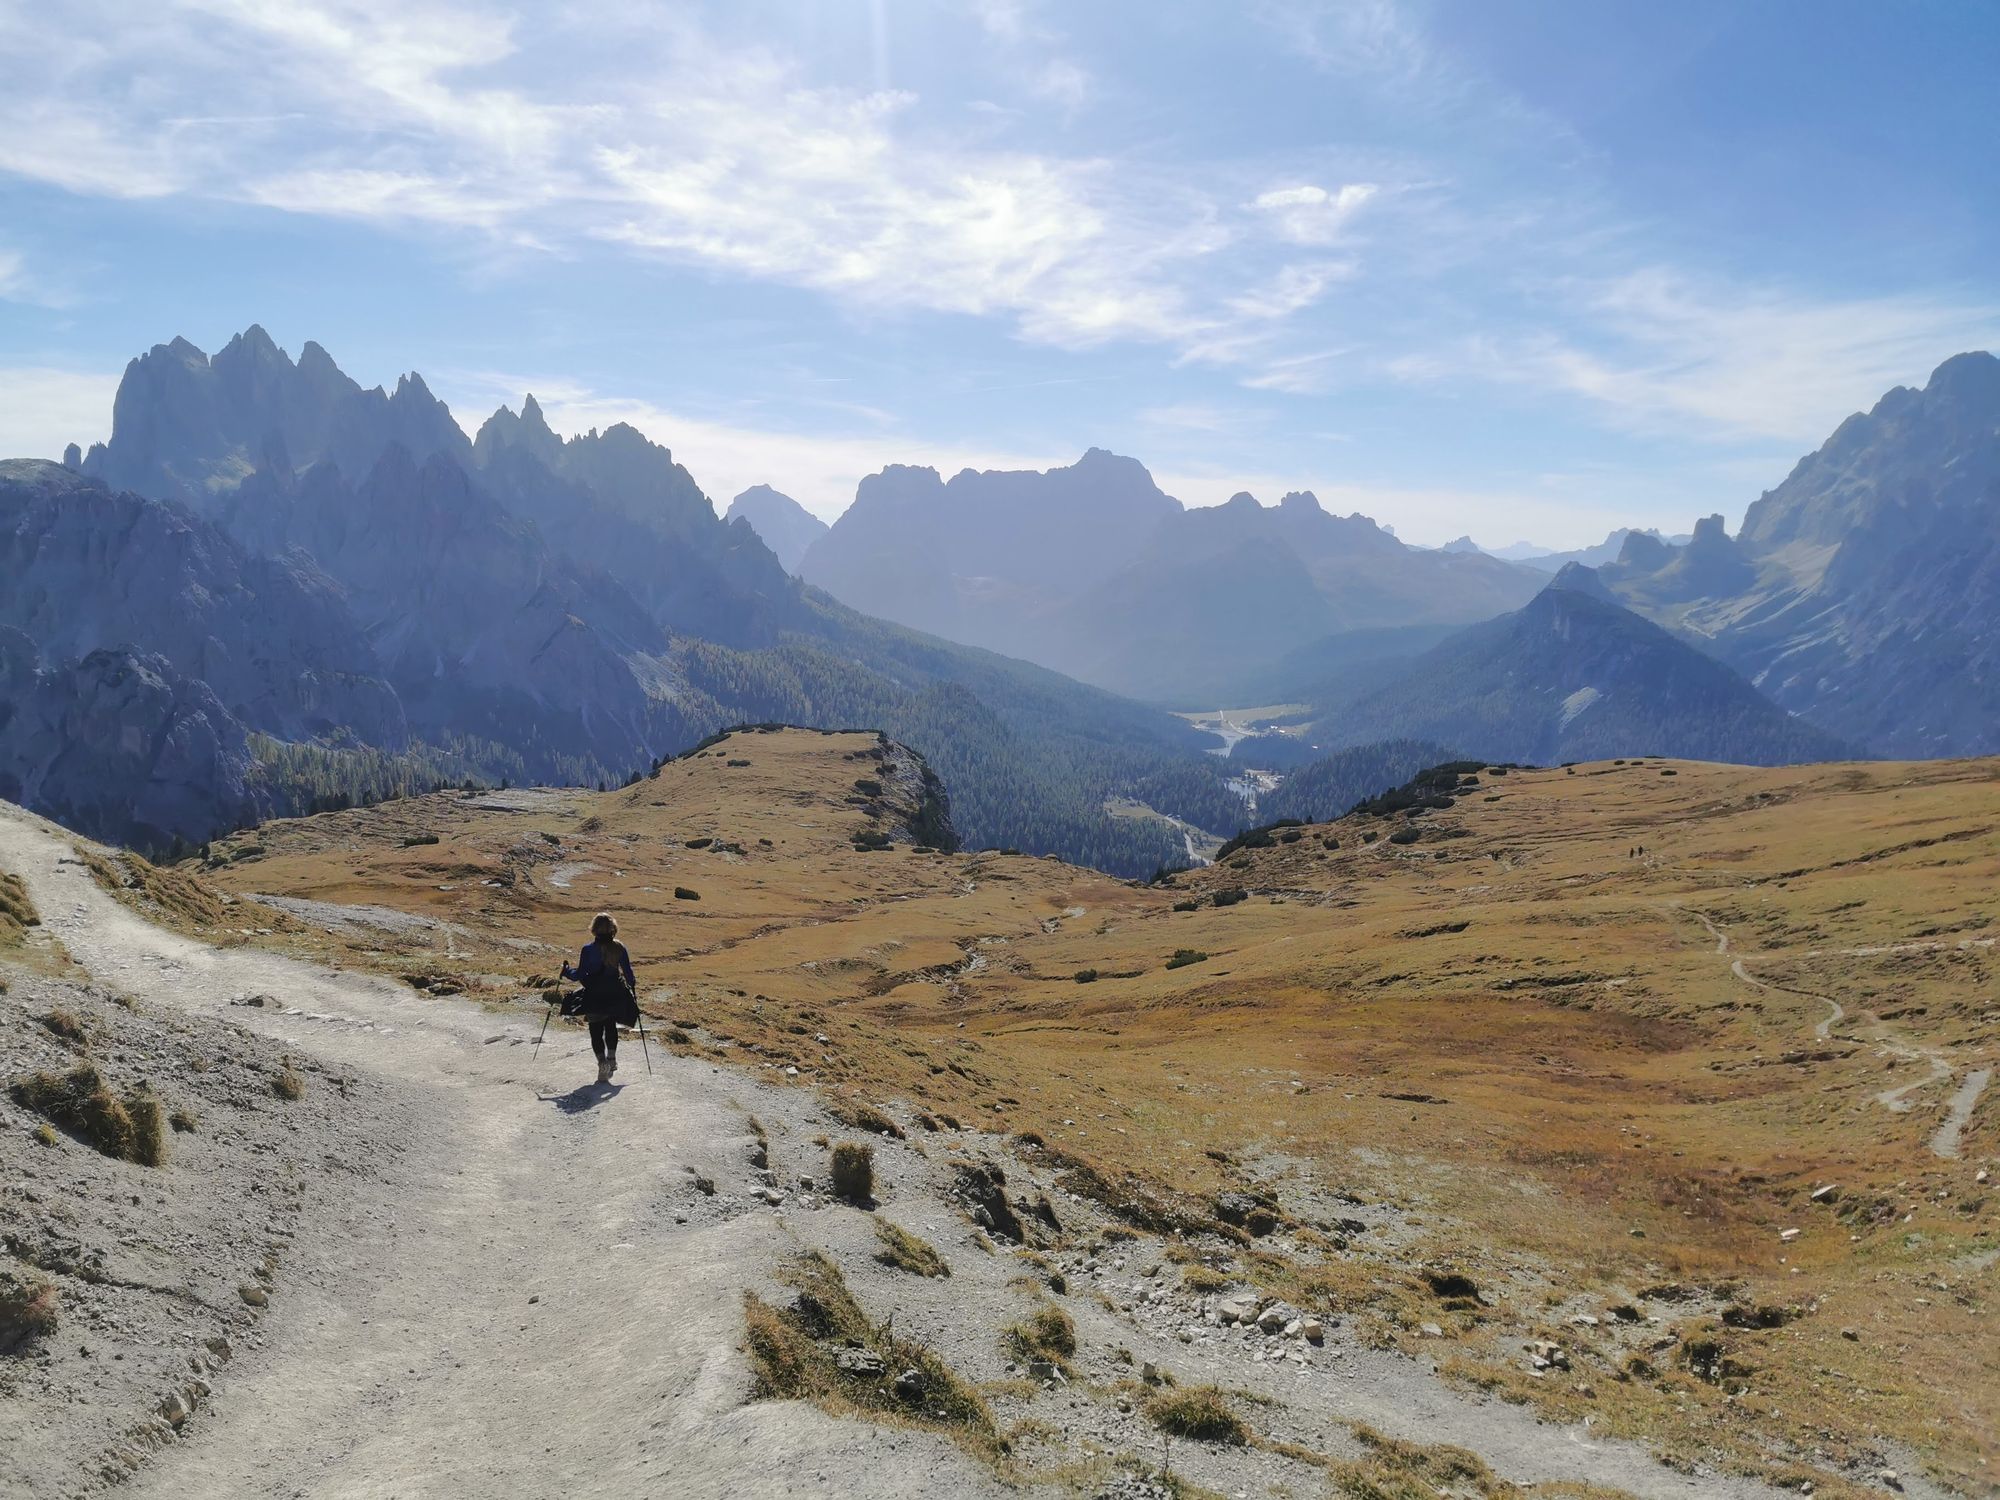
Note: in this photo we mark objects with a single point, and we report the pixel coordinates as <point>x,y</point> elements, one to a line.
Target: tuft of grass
<point>852,1171</point>
<point>906,1252</point>
<point>1086,976</point>
<point>81,1102</point>
<point>64,1024</point>
<point>863,1116</point>
<point>29,1308</point>
<point>793,1349</point>
<point>1203,1279</point>
<point>149,1128</point>
<point>17,912</point>
<point>417,839</point>
<point>1393,1469</point>
<point>1200,1412</point>
<point>183,1121</point>
<point>46,1134</point>
<point>287,1084</point>
<point>1047,1333</point>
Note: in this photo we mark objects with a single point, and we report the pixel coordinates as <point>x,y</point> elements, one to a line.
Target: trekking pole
<point>542,1033</point>
<point>644,1050</point>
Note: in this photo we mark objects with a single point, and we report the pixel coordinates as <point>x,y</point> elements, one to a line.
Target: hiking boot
<point>611,1065</point>
<point>603,1070</point>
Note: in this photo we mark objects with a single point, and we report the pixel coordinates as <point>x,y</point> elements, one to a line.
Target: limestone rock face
<point>121,747</point>
<point>86,569</point>
<point>1864,591</point>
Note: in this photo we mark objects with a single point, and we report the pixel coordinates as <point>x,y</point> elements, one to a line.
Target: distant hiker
<point>610,996</point>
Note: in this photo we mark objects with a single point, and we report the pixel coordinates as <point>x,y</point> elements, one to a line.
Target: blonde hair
<point>604,925</point>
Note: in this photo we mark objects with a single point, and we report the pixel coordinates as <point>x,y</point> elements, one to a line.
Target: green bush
<point>1185,956</point>
<point>1086,976</point>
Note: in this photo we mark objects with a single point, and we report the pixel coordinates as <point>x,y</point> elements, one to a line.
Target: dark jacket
<point>603,992</point>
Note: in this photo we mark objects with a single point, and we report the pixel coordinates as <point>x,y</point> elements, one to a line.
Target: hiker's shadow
<point>584,1096</point>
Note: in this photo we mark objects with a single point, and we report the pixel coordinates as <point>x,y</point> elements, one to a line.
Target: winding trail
<point>1959,1115</point>
<point>1945,1142</point>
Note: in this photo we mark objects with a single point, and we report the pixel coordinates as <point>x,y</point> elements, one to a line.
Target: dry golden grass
<point>908,1252</point>
<point>1199,1412</point>
<point>793,1351</point>
<point>80,1101</point>
<point>1515,1036</point>
<point>17,912</point>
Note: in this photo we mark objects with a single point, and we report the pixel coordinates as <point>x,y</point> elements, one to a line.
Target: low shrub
<point>1404,835</point>
<point>684,893</point>
<point>852,1171</point>
<point>287,1084</point>
<point>1085,976</point>
<point>419,838</point>
<point>1185,956</point>
<point>1187,906</point>
<point>1231,897</point>
<point>868,786</point>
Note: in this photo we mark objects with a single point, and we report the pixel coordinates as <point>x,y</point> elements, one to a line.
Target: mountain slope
<point>786,526</point>
<point>1864,591</point>
<point>1574,676</point>
<point>88,569</point>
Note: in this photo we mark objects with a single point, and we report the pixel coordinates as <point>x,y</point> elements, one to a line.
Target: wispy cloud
<point>1657,349</point>
<point>661,140</point>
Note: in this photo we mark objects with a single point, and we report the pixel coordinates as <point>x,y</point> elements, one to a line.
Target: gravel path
<point>535,1300</point>
<point>512,1310</point>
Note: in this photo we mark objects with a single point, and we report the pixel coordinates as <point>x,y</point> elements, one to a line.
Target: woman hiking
<point>610,993</point>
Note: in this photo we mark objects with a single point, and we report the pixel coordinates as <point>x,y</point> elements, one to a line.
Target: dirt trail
<point>1944,1143</point>
<point>525,1306</point>
<point>1959,1114</point>
<point>418,1364</point>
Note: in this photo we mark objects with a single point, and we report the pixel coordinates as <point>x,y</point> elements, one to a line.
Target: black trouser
<point>604,1038</point>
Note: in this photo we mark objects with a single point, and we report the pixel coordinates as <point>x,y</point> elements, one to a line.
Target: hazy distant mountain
<point>987,557</point>
<point>1864,591</point>
<point>1552,560</point>
<point>534,606</point>
<point>786,526</point>
<point>1093,571</point>
<point>1574,676</point>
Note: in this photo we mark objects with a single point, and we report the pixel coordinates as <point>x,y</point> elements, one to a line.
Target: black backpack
<point>605,994</point>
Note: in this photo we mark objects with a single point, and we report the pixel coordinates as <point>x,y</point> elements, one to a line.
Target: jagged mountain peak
<point>1304,501</point>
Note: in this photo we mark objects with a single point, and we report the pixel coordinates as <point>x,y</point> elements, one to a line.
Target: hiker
<point>610,993</point>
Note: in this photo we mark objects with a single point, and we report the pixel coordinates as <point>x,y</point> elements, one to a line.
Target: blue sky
<point>1522,270</point>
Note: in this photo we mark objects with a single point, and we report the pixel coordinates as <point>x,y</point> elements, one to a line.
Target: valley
<point>1641,1099</point>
